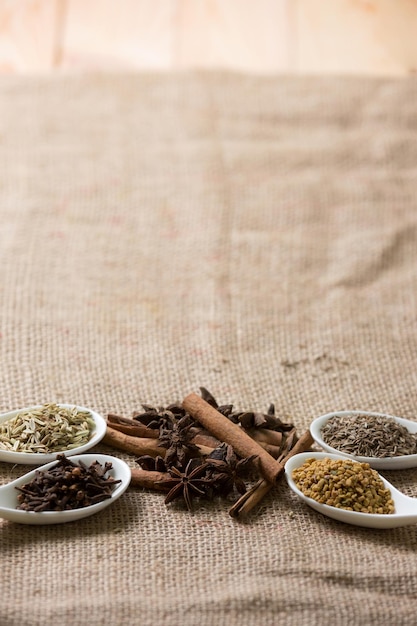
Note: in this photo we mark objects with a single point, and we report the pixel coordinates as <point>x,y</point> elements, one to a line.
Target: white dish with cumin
<point>35,435</point>
<point>396,461</point>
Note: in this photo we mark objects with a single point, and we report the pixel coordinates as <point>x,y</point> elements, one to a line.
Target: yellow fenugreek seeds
<point>344,484</point>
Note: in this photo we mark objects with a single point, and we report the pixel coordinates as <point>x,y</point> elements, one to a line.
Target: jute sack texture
<point>256,236</point>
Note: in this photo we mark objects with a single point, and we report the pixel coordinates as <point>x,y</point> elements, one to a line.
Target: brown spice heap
<point>369,435</point>
<point>177,453</point>
<point>223,470</point>
<point>218,474</point>
<point>66,486</point>
<point>344,484</point>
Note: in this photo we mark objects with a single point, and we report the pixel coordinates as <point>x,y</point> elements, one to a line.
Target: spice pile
<point>369,436</point>
<point>51,428</point>
<point>344,484</point>
<point>200,449</point>
<point>66,486</point>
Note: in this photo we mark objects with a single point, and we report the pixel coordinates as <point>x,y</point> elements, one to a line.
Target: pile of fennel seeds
<point>47,429</point>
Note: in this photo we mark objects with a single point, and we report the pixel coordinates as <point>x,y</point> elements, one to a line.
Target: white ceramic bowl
<point>8,494</point>
<point>405,507</point>
<point>386,463</point>
<point>39,458</point>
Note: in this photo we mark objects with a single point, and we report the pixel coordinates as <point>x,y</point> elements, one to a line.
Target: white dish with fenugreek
<point>384,441</point>
<point>35,435</point>
<point>345,475</point>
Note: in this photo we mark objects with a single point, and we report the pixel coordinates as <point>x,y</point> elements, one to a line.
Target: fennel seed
<point>50,429</point>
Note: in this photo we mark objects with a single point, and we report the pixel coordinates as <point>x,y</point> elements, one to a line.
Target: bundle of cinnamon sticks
<point>271,448</point>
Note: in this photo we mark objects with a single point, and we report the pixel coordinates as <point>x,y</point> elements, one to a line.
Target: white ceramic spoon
<point>387,463</point>
<point>8,494</point>
<point>38,458</point>
<point>405,507</point>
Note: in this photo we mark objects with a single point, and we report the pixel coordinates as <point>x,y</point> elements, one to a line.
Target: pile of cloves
<point>66,486</point>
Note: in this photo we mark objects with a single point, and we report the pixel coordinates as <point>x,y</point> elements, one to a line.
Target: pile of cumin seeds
<point>47,429</point>
<point>369,436</point>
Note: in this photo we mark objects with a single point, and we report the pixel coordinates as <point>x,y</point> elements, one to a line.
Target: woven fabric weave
<point>256,236</point>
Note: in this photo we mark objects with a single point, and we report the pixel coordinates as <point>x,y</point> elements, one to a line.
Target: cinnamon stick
<point>265,435</point>
<point>254,496</point>
<point>302,445</point>
<point>133,445</point>
<point>250,499</point>
<point>205,442</point>
<point>222,428</point>
<point>203,439</point>
<point>148,479</point>
<point>140,445</point>
<point>131,427</point>
<point>274,451</point>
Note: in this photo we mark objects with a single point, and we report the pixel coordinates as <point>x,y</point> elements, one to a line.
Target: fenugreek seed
<point>321,484</point>
<point>325,481</point>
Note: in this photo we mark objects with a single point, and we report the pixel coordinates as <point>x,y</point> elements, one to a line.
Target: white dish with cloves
<point>65,484</point>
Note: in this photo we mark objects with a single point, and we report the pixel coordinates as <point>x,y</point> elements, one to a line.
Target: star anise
<point>152,464</point>
<point>225,409</point>
<point>187,484</point>
<point>248,419</point>
<point>176,437</point>
<point>158,417</point>
<point>228,471</point>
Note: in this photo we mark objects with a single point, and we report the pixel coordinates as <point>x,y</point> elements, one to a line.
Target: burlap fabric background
<point>257,236</point>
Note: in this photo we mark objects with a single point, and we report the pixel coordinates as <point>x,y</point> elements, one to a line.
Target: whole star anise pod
<point>158,417</point>
<point>176,437</point>
<point>152,464</point>
<point>228,471</point>
<point>254,419</point>
<point>225,409</point>
<point>192,481</point>
<point>248,419</point>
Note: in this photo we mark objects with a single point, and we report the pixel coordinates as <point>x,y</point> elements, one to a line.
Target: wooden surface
<point>261,36</point>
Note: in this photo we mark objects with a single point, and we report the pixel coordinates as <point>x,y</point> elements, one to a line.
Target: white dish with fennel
<point>35,435</point>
